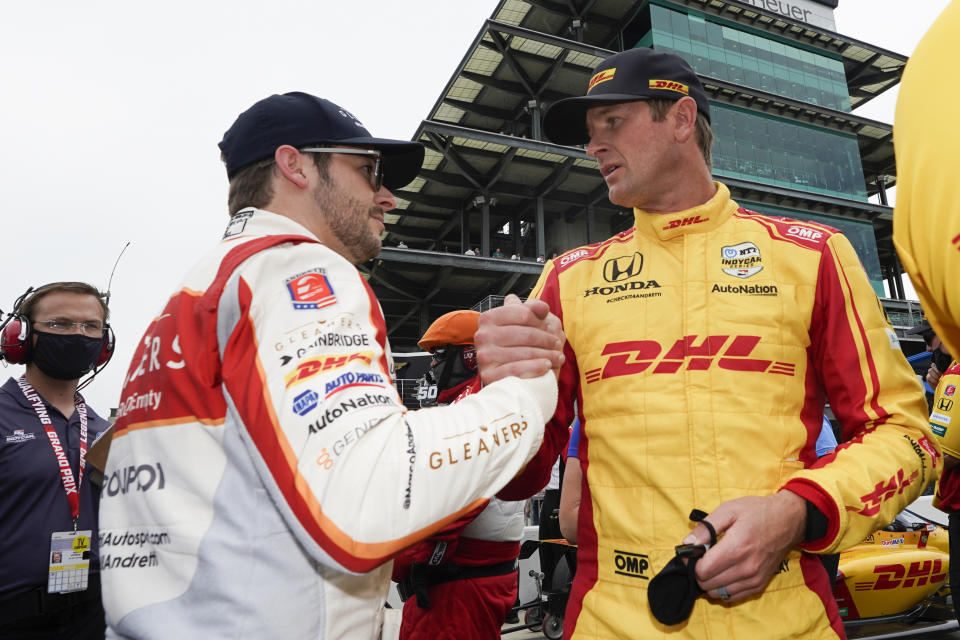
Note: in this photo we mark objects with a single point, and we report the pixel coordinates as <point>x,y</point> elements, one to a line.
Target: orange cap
<point>456,327</point>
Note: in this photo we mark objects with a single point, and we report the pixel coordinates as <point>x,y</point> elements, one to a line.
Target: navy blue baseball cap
<point>301,120</point>
<point>634,74</point>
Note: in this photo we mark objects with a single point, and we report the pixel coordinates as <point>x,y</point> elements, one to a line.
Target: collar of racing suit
<point>705,217</point>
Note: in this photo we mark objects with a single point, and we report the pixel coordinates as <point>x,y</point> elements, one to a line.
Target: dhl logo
<point>315,366</point>
<point>670,85</point>
<point>685,222</point>
<point>893,576</point>
<point>637,356</point>
<point>601,76</point>
<point>884,491</point>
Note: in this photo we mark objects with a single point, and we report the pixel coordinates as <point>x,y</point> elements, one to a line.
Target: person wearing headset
<point>49,560</point>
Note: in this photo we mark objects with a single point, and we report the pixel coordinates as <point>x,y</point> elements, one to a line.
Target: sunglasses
<point>375,177</point>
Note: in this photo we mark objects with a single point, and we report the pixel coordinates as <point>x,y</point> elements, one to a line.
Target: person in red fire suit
<point>460,583</point>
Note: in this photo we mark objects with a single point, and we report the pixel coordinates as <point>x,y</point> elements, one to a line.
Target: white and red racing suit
<point>263,470</point>
<point>701,346</point>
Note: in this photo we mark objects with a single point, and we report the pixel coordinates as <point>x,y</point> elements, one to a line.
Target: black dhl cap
<point>635,74</point>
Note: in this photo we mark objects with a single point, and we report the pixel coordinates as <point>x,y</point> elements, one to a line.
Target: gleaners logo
<point>894,576</point>
<point>684,222</point>
<point>601,76</point>
<point>637,356</point>
<point>622,268</point>
<point>670,85</point>
<point>315,366</point>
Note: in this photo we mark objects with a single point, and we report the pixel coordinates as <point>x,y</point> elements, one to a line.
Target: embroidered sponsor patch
<point>741,260</point>
<point>20,436</point>
<point>310,290</point>
<point>601,76</point>
<point>670,85</point>
<point>305,402</point>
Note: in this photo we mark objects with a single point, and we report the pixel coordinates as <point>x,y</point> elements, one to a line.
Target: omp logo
<point>884,491</point>
<point>601,76</point>
<point>315,366</point>
<point>637,356</point>
<point>632,565</point>
<point>944,405</point>
<point>622,268</point>
<point>684,222</point>
<point>570,257</point>
<point>895,576</point>
<point>670,85</point>
<point>804,233</point>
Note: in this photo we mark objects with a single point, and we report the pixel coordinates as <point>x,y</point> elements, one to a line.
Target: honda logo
<point>623,268</point>
<point>944,405</point>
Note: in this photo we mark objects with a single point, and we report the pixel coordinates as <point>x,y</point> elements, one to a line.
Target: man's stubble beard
<point>346,222</point>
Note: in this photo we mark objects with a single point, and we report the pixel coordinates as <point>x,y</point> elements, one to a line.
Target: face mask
<point>65,357</point>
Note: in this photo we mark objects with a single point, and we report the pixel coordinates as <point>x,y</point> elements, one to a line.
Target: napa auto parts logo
<point>691,352</point>
<point>310,290</point>
<point>741,260</point>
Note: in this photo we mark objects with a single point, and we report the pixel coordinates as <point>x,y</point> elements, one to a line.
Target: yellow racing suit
<point>926,220</point>
<point>701,347</point>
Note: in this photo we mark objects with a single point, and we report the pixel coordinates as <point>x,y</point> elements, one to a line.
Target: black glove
<point>674,589</point>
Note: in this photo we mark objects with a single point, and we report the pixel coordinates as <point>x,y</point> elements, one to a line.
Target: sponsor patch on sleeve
<point>310,290</point>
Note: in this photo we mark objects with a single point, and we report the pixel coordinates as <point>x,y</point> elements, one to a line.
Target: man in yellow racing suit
<point>701,347</point>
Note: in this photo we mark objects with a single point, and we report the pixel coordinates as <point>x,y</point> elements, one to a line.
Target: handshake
<point>522,339</point>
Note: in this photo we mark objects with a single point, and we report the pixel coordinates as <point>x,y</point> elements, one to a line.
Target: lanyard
<point>70,486</point>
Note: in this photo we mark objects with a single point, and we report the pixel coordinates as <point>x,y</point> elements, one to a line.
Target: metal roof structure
<point>489,181</point>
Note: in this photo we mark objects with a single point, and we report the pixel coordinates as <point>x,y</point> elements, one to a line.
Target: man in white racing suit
<point>263,471</point>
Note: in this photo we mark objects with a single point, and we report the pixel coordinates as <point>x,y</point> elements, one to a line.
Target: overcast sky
<point>111,111</point>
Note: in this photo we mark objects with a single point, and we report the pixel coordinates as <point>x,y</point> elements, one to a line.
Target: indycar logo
<point>894,576</point>
<point>884,491</point>
<point>315,366</point>
<point>623,268</point>
<point>637,356</point>
<point>741,260</point>
<point>632,565</point>
<point>684,222</point>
